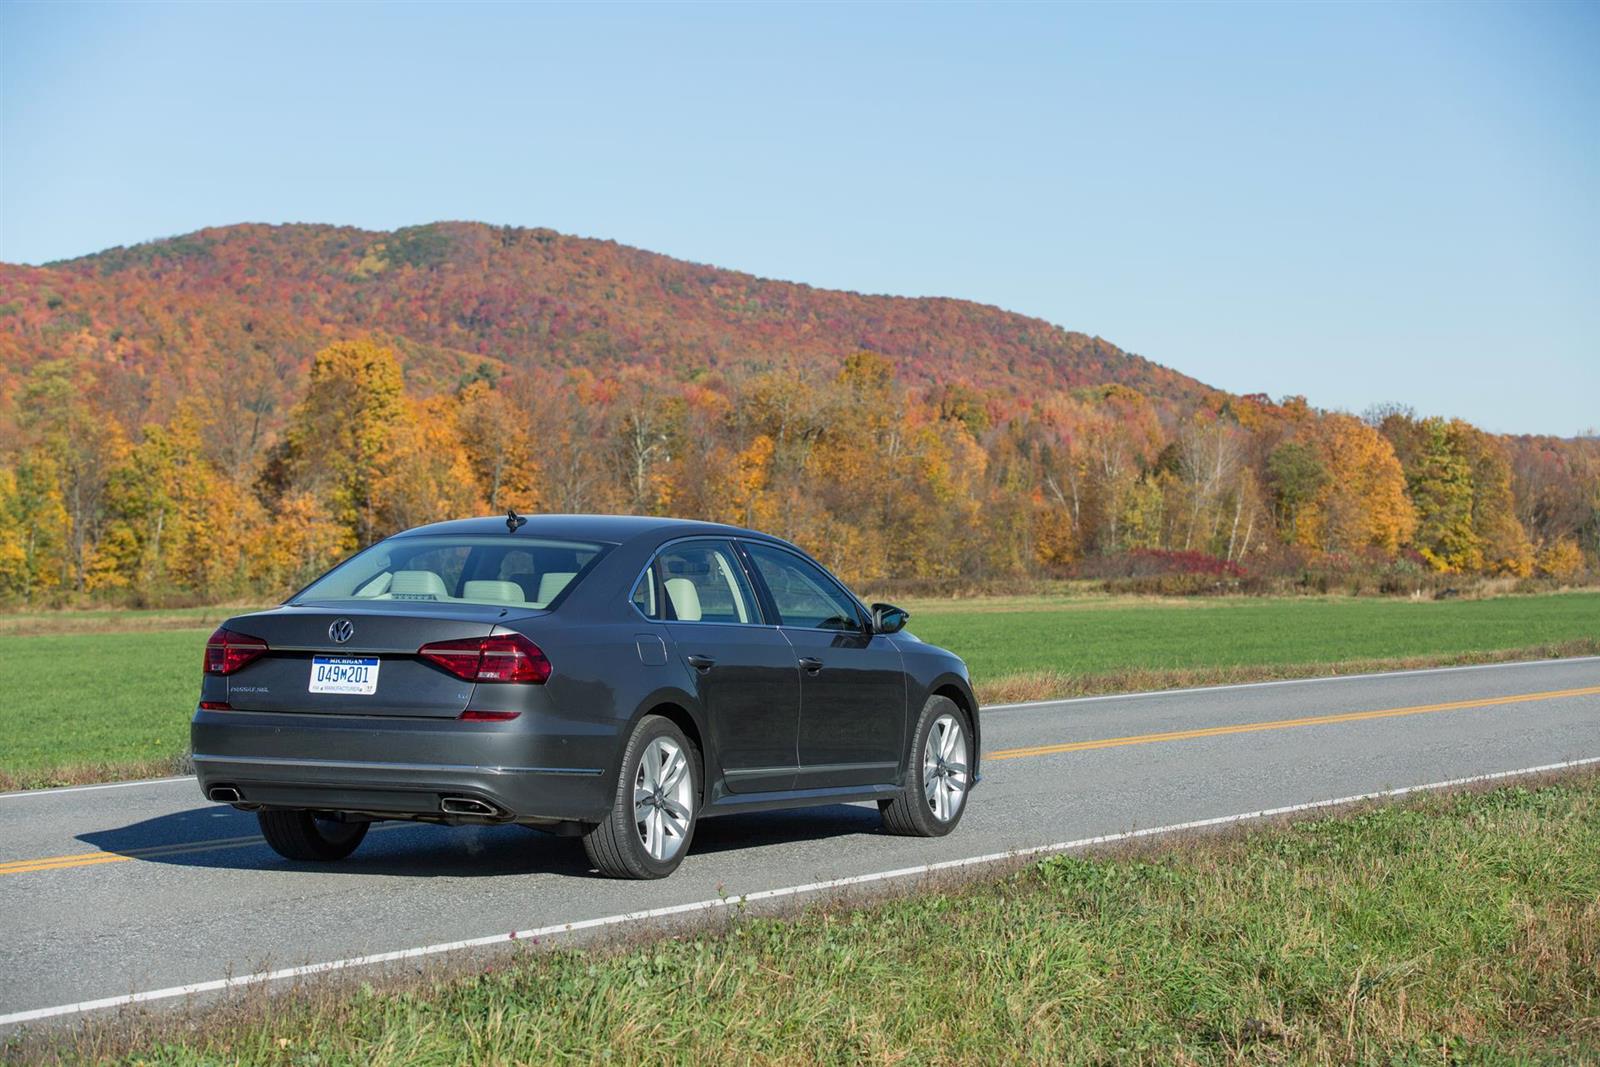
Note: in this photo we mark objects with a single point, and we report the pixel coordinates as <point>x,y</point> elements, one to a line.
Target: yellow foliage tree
<point>33,527</point>
<point>1362,504</point>
<point>300,542</point>
<point>340,432</point>
<point>1561,559</point>
<point>499,448</point>
<point>425,474</point>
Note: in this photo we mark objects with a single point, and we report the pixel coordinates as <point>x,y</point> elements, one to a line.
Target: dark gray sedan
<point>605,677</point>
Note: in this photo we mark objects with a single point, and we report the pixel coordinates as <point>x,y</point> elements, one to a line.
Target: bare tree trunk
<point>1233,534</point>
<point>155,544</point>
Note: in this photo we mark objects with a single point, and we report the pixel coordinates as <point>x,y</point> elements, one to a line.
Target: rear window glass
<point>522,572</point>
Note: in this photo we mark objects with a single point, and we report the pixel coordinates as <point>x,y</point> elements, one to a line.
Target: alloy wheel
<point>663,798</point>
<point>944,768</point>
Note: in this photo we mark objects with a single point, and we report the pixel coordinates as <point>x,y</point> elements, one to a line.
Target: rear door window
<point>696,581</point>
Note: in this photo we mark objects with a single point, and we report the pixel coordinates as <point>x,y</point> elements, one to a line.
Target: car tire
<point>654,807</point>
<point>938,774</point>
<point>300,835</point>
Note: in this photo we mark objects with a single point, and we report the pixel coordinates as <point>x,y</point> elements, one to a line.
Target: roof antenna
<point>514,522</point>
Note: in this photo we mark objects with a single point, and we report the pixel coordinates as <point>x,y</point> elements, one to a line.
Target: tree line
<point>882,480</point>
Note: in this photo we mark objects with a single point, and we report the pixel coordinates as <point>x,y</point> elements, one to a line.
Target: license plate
<point>353,675</point>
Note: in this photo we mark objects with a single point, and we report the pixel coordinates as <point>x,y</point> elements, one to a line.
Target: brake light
<point>497,658</point>
<point>215,705</point>
<point>227,651</point>
<point>474,715</point>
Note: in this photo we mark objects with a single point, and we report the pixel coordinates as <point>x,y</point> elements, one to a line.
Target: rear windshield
<point>522,572</point>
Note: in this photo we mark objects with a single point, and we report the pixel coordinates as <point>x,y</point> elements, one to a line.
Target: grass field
<point>1451,929</point>
<point>1003,637</point>
<point>110,696</point>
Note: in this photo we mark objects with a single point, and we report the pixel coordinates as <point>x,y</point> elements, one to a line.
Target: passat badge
<point>341,630</point>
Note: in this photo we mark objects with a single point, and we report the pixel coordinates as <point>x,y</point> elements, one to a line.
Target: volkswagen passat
<point>607,677</point>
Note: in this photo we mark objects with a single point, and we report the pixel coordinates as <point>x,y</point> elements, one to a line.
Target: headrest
<point>377,587</point>
<point>551,584</point>
<point>418,585</point>
<point>685,599</point>
<point>506,592</point>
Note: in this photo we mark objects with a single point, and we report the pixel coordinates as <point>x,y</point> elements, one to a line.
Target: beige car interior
<point>717,586</point>
<point>426,585</point>
<point>685,599</point>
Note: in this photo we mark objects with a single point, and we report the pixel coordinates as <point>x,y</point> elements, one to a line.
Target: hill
<point>162,320</point>
<point>322,387</point>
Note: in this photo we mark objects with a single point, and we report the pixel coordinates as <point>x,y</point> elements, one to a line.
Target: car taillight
<point>227,651</point>
<point>498,658</point>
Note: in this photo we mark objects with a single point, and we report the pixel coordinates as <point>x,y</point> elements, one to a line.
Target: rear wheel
<point>939,776</point>
<point>653,811</point>
<point>301,835</point>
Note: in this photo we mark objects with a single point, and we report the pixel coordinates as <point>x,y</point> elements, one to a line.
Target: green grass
<point>1451,929</point>
<point>1085,637</point>
<point>107,701</point>
<point>82,705</point>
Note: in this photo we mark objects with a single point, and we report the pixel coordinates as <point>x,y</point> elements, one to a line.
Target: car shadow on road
<point>197,838</point>
<point>221,838</point>
<point>730,833</point>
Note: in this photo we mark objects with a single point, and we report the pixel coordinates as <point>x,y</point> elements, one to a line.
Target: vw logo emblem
<point>341,630</point>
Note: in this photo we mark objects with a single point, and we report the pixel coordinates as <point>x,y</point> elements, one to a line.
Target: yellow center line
<point>1285,724</point>
<point>91,859</point>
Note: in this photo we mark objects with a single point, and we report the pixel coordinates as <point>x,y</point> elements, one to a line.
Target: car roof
<point>616,529</point>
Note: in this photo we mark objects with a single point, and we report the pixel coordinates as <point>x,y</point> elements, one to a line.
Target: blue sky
<point>1355,202</point>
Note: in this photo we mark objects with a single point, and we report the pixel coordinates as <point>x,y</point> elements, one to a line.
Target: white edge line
<point>1292,681</point>
<point>724,903</point>
<point>85,788</point>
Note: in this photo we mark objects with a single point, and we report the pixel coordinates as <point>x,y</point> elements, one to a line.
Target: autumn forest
<point>223,415</point>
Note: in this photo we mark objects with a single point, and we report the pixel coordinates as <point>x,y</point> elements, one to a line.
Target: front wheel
<point>939,777</point>
<point>300,835</point>
<point>653,811</point>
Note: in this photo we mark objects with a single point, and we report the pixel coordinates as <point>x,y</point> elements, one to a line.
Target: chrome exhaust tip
<point>224,794</point>
<point>467,806</point>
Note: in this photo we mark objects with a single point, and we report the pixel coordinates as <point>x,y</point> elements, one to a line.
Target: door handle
<point>701,663</point>
<point>811,664</point>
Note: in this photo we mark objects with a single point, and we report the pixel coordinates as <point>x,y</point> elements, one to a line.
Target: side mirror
<point>888,619</point>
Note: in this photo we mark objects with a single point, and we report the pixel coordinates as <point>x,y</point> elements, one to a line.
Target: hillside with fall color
<point>225,414</point>
<point>175,318</point>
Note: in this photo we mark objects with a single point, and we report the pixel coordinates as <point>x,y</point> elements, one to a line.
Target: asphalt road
<point>106,892</point>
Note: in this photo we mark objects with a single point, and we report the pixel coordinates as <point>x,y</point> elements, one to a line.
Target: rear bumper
<point>397,767</point>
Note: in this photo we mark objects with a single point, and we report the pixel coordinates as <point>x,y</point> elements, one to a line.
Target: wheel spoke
<point>641,807</point>
<point>956,768</point>
<point>652,761</point>
<point>677,824</point>
<point>952,734</point>
<point>675,766</point>
<point>679,812</point>
<point>663,828</point>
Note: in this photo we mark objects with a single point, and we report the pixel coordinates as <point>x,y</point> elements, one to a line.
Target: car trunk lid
<point>374,670</point>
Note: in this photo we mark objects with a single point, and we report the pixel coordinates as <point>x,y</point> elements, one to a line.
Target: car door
<point>744,669</point>
<point>852,682</point>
